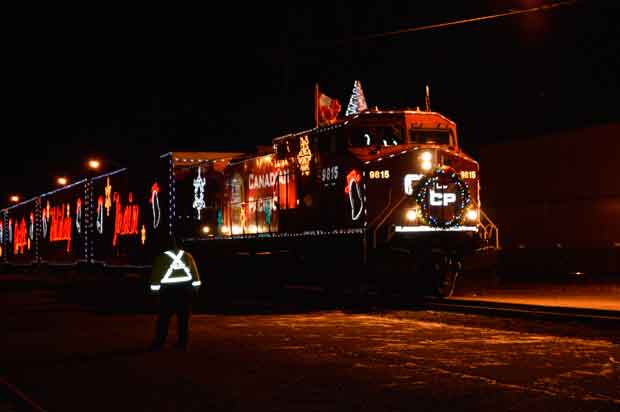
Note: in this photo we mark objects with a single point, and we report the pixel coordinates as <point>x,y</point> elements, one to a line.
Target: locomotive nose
<point>443,198</point>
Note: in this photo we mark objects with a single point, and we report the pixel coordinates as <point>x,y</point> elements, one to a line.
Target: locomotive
<point>379,199</point>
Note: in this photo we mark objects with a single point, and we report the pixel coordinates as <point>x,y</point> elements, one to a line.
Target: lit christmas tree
<point>357,103</point>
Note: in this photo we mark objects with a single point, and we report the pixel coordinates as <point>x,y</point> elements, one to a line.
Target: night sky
<point>130,85</point>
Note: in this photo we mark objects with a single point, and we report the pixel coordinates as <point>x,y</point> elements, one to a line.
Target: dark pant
<point>174,301</point>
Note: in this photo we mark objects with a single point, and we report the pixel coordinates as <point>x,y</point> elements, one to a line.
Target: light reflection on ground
<point>547,364</point>
<point>605,296</point>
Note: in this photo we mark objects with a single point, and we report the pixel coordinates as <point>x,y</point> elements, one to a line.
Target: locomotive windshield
<point>366,136</point>
<point>430,136</point>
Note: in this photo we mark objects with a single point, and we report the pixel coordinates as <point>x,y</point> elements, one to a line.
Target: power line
<point>544,7</point>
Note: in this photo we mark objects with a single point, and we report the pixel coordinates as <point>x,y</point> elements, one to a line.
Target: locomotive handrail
<point>489,229</point>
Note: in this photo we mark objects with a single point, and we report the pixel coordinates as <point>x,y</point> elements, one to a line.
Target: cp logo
<point>441,199</point>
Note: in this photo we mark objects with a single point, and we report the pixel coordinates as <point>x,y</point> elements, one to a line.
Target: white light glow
<point>411,215</point>
<point>78,216</point>
<point>176,264</point>
<point>44,214</point>
<point>31,227</point>
<point>99,221</point>
<point>409,179</point>
<point>355,216</point>
<point>405,229</point>
<point>472,214</point>
<point>426,156</point>
<point>441,199</point>
<point>155,205</point>
<point>199,189</point>
<point>426,165</point>
<point>94,164</point>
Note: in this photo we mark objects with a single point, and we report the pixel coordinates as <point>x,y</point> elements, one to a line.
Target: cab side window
<point>376,136</point>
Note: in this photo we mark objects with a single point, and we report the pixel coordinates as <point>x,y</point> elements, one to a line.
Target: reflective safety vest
<point>174,267</point>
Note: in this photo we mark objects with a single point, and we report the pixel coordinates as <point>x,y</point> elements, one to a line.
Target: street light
<point>94,164</point>
<point>62,181</point>
<point>14,198</point>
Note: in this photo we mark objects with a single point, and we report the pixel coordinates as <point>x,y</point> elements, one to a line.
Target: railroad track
<point>14,400</point>
<point>556,313</point>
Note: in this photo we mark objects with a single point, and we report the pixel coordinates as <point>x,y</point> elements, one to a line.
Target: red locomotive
<point>380,198</point>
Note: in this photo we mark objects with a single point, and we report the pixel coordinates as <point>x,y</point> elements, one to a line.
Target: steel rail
<point>555,313</point>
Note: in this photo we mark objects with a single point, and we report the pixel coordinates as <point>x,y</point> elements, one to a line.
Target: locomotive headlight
<point>411,215</point>
<point>426,160</point>
<point>472,214</point>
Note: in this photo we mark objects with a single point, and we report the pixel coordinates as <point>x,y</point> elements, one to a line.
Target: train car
<point>62,225</point>
<point>19,233</point>
<point>116,220</point>
<point>379,199</point>
<point>129,216</point>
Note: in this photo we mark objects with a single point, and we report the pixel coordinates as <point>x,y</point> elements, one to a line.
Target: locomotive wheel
<point>446,270</point>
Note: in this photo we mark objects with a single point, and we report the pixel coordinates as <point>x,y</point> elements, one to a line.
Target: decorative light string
<point>199,191</point>
<point>155,205</point>
<point>426,196</point>
<point>353,190</point>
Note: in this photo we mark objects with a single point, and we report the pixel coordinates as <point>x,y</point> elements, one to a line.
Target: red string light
<point>126,219</point>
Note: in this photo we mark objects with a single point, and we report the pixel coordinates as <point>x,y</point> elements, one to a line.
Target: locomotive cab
<point>421,193</point>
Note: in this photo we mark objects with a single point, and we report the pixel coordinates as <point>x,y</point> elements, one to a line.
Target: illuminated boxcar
<point>18,239</point>
<point>61,225</point>
<point>120,219</point>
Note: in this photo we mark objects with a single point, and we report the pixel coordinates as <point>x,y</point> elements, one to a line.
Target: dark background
<point>127,85</point>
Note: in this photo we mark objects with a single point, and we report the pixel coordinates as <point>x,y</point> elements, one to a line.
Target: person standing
<point>175,278</point>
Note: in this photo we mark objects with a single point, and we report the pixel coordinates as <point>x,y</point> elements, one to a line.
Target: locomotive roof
<point>190,158</point>
<point>424,120</point>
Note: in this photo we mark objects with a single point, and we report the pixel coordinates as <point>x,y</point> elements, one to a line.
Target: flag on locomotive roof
<point>326,109</point>
<point>357,103</point>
